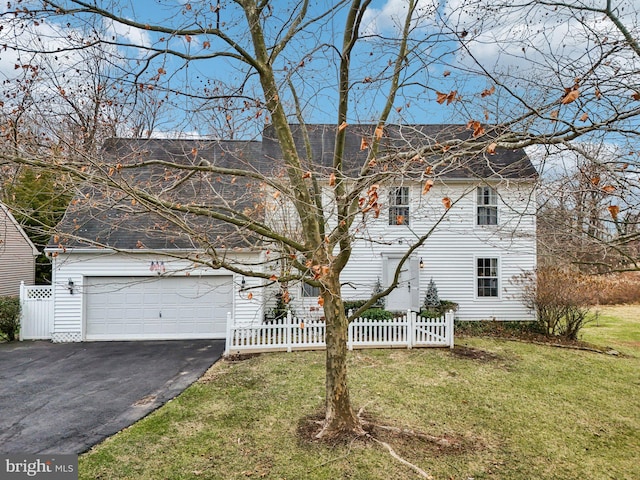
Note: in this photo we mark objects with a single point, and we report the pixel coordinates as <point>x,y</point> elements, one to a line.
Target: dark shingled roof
<point>106,216</point>
<point>507,164</point>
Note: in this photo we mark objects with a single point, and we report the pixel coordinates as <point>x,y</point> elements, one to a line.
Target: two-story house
<point>124,269</point>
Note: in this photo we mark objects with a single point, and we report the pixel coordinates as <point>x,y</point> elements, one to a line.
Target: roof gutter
<point>107,250</point>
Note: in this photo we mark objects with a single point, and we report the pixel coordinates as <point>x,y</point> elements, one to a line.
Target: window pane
<point>399,206</point>
<point>399,216</point>
<point>399,196</point>
<point>487,277</point>
<point>493,267</point>
<point>310,290</point>
<point>487,213</point>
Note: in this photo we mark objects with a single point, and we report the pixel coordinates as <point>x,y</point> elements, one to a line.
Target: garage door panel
<point>120,308</point>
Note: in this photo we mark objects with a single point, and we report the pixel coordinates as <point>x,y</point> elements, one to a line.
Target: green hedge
<point>440,310</point>
<point>377,314</point>
<point>9,317</point>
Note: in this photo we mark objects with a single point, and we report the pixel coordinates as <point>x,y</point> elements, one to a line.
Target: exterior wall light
<point>421,264</point>
<point>70,286</point>
<point>157,267</point>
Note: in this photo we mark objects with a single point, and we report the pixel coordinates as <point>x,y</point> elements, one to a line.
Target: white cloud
<point>390,16</point>
<point>535,36</point>
<point>131,35</point>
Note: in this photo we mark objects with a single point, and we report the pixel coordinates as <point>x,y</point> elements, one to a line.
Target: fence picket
<point>408,331</point>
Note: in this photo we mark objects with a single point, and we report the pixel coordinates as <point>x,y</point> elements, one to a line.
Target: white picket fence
<point>291,333</point>
<point>36,319</point>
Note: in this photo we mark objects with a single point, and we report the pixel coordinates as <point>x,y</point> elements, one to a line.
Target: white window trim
<point>475,277</point>
<point>407,206</point>
<point>477,206</point>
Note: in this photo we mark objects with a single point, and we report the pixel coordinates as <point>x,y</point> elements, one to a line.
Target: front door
<point>404,296</point>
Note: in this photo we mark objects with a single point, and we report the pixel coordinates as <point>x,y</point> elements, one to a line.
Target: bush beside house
<point>433,307</point>
<point>9,318</point>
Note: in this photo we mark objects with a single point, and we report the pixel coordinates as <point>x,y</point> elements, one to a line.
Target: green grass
<point>617,327</point>
<point>516,411</point>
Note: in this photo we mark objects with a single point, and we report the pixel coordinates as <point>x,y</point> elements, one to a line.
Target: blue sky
<point>498,44</point>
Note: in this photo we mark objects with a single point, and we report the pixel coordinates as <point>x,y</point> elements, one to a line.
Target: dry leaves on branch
<point>378,132</point>
<point>446,201</point>
<point>571,95</point>
<point>427,186</point>
<point>614,210</point>
<point>447,97</point>
<point>477,128</point>
<point>488,91</point>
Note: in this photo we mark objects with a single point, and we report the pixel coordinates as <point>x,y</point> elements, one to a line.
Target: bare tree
<point>588,210</point>
<point>288,65</point>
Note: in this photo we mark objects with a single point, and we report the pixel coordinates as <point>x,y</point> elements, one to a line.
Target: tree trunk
<point>340,419</point>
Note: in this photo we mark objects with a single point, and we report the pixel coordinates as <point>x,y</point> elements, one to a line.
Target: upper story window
<point>487,206</point>
<point>399,206</point>
<point>487,277</point>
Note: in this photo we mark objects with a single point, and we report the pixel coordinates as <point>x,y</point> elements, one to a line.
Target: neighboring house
<point>17,255</point>
<point>138,277</point>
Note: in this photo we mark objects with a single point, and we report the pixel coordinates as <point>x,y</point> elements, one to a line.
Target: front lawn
<point>617,327</point>
<point>490,409</point>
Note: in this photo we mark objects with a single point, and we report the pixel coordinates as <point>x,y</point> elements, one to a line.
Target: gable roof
<point>504,164</point>
<point>110,218</point>
<point>7,213</point>
<point>106,216</point>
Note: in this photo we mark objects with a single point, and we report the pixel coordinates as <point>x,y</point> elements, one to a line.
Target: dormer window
<point>399,206</point>
<point>487,206</point>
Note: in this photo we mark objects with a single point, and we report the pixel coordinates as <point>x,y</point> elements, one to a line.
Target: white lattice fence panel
<point>36,320</point>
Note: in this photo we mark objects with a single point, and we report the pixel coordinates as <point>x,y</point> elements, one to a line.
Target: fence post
<point>349,335</point>
<point>22,297</point>
<point>288,327</point>
<point>229,340</point>
<point>411,328</point>
<point>449,316</point>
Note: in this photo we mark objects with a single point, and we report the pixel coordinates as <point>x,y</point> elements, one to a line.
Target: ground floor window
<point>310,291</point>
<point>487,277</point>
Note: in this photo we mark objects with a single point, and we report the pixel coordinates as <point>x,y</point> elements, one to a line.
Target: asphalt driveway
<point>65,398</point>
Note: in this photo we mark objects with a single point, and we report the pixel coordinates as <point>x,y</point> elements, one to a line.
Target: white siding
<point>69,309</point>
<point>449,254</point>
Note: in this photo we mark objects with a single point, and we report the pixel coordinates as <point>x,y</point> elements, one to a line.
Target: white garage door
<point>151,308</point>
